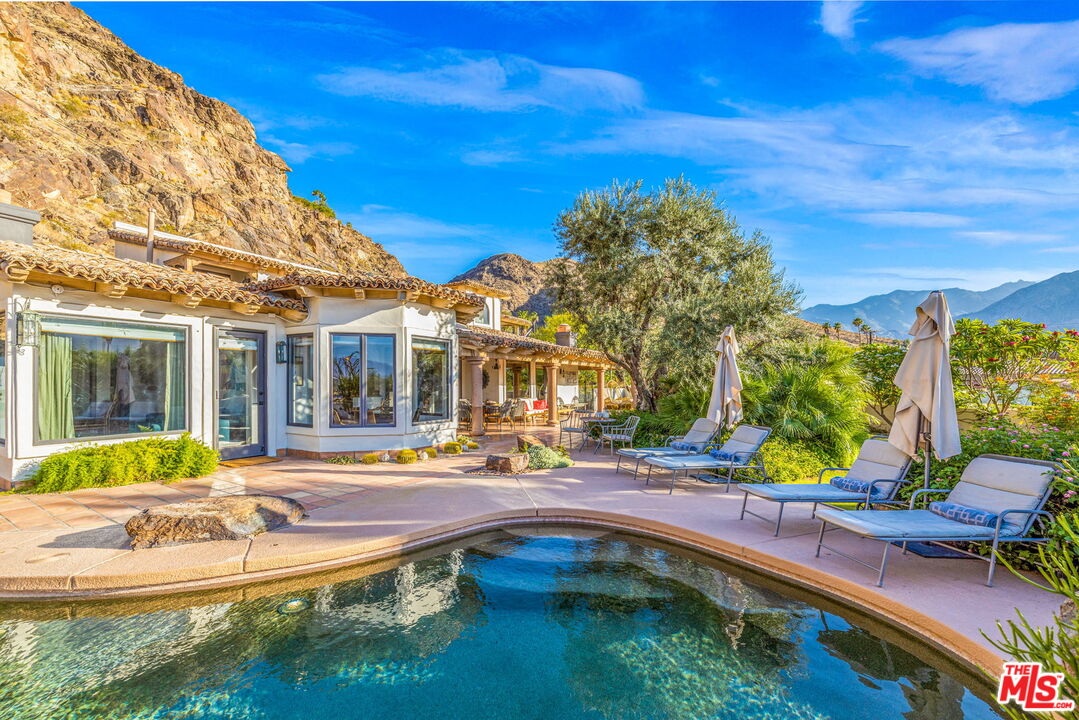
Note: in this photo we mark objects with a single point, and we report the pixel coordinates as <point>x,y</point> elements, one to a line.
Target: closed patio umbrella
<point>927,404</point>
<point>726,400</point>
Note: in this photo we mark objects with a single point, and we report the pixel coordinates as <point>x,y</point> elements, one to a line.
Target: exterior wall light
<point>282,352</point>
<point>28,329</point>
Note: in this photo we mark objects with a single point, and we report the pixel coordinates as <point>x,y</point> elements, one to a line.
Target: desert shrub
<point>147,460</point>
<point>541,457</point>
<point>464,439</point>
<point>319,204</point>
<point>340,460</point>
<point>406,457</point>
<point>1055,646</point>
<point>369,459</point>
<point>13,121</point>
<point>452,448</point>
<point>787,462</point>
<point>431,452</point>
<point>472,445</point>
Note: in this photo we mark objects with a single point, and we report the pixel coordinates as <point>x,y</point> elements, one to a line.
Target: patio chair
<point>997,499</point>
<point>464,413</point>
<point>572,426</point>
<point>618,434</point>
<point>741,455</point>
<point>505,414</point>
<point>701,434</point>
<point>873,478</point>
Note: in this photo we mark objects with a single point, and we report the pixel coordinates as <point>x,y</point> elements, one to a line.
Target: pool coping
<point>860,597</point>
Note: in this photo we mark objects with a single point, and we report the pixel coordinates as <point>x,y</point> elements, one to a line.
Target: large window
<point>484,318</point>
<point>301,380</point>
<point>363,380</point>
<point>431,383</point>
<point>99,378</point>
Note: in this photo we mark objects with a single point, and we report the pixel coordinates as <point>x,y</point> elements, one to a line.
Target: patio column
<point>532,380</point>
<point>552,393</point>
<point>601,390</point>
<point>475,364</point>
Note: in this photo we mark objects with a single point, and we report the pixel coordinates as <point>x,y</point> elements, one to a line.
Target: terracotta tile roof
<point>368,281</point>
<point>479,288</point>
<point>488,336</point>
<point>182,244</point>
<point>17,260</point>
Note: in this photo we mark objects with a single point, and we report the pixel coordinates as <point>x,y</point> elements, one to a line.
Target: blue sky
<point>881,145</point>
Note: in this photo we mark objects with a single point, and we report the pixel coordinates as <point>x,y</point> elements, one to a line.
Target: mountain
<point>892,314</point>
<point>520,278</point>
<point>1054,302</point>
<point>91,132</point>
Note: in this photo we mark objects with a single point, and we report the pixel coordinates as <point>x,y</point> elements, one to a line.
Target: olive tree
<point>656,276</point>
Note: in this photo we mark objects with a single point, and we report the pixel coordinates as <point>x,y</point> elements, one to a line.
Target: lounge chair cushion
<point>849,484</point>
<point>721,454</point>
<point>996,484</point>
<point>745,439</point>
<point>964,514</point>
<point>638,453</point>
<point>902,524</point>
<point>802,492</point>
<point>686,446</point>
<point>701,431</point>
<point>689,462</point>
<point>878,460</point>
<point>617,437</point>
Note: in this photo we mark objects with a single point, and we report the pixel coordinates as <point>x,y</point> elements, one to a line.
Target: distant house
<point>251,354</point>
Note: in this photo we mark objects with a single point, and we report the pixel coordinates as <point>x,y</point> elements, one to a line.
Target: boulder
<point>523,441</point>
<point>230,517</point>
<point>509,464</point>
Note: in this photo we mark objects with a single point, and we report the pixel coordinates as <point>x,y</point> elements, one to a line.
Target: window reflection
<point>363,379</point>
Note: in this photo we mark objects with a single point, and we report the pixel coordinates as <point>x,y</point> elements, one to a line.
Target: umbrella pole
<point>923,430</point>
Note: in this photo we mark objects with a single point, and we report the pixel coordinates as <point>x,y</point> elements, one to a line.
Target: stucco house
<point>251,354</point>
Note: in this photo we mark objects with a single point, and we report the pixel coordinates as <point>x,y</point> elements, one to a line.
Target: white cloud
<point>838,17</point>
<point>504,83</point>
<point>1022,63</point>
<point>298,153</point>
<point>1061,249</point>
<point>906,218</point>
<point>1008,237</point>
<point>379,221</point>
<point>490,158</point>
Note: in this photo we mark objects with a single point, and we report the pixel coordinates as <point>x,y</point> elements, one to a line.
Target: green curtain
<point>55,418</point>
<point>175,385</point>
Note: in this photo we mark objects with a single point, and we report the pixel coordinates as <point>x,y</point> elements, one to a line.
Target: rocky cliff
<point>522,279</point>
<point>91,132</point>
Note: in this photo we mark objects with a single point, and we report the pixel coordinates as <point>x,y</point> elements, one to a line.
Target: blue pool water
<point>563,627</point>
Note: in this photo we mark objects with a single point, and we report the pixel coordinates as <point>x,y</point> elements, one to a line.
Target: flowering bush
<point>996,364</point>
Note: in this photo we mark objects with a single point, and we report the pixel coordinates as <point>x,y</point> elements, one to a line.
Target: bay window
<point>362,375</point>
<point>301,380</point>
<point>98,378</point>
<point>431,380</point>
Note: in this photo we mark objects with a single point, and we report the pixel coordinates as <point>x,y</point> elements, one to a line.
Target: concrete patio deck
<point>360,513</point>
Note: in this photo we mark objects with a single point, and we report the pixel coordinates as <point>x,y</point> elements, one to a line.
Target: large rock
<point>525,441</point>
<point>509,464</point>
<point>231,517</point>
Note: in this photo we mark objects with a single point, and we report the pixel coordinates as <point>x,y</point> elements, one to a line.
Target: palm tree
<point>837,326</point>
<point>817,399</point>
<point>857,323</point>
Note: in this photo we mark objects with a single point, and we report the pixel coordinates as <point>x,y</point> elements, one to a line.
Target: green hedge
<point>152,459</point>
<point>787,462</point>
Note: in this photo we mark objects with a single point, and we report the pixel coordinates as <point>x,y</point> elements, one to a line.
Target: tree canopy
<point>657,276</point>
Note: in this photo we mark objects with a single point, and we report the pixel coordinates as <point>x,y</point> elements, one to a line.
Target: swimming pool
<point>529,623</point>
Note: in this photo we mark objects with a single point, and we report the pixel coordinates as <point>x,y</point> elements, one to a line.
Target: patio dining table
<point>597,421</point>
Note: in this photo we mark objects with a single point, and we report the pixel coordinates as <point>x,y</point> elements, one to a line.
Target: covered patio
<point>539,377</point>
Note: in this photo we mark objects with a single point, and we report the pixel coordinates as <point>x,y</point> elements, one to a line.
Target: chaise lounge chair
<point>997,499</point>
<point>741,453</point>
<point>701,434</point>
<point>873,478</point>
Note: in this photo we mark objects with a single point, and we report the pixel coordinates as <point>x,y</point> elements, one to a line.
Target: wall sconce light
<point>282,352</point>
<point>496,364</point>
<point>28,329</point>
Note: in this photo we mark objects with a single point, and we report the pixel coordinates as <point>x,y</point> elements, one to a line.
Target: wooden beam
<point>110,289</point>
<point>294,315</point>
<point>406,296</point>
<point>304,291</point>
<point>188,301</point>
<point>245,308</point>
<point>359,293</point>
